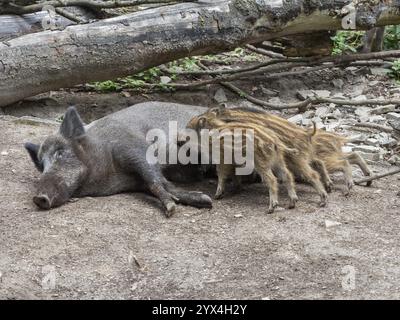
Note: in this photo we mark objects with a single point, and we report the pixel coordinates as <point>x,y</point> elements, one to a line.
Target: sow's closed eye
<point>33,150</point>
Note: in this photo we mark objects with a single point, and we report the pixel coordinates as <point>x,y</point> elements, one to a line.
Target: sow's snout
<point>52,192</point>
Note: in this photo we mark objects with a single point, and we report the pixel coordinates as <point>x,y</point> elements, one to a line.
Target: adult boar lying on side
<point>108,156</point>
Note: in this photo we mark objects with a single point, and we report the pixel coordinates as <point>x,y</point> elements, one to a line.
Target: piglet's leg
<point>320,167</point>
<point>355,158</point>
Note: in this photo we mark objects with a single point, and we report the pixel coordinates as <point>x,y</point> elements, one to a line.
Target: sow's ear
<point>33,150</point>
<point>72,125</point>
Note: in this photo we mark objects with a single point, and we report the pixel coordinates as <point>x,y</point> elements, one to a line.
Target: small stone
<point>134,286</point>
<point>305,94</point>
<point>379,71</point>
<point>356,92</point>
<point>361,111</point>
<point>376,119</point>
<point>395,124</point>
<point>358,138</point>
<point>323,112</point>
<point>322,93</point>
<point>306,122</point>
<point>360,98</point>
<point>352,69</point>
<point>337,114</point>
<point>395,160</point>
<point>126,94</point>
<point>393,116</point>
<point>220,96</point>
<point>238,215</point>
<point>275,100</point>
<point>296,119</point>
<point>266,298</point>
<point>339,96</point>
<point>394,90</point>
<point>318,121</point>
<point>309,114</point>
<point>366,149</point>
<point>338,83</point>
<point>373,83</point>
<point>165,79</point>
<point>383,109</point>
<point>372,142</point>
<point>331,224</point>
<point>4,153</point>
<point>388,143</point>
<point>269,92</point>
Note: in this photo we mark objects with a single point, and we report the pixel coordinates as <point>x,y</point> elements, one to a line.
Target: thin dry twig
<point>232,71</point>
<point>16,9</point>
<point>69,15</point>
<point>375,177</point>
<point>374,126</point>
<point>262,103</point>
<point>264,52</point>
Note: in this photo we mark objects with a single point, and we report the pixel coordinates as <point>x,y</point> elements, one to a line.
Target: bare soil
<point>123,247</point>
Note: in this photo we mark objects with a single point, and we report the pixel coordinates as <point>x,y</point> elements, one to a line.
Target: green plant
<point>395,70</point>
<point>392,38</point>
<point>149,75</point>
<point>131,82</point>
<point>106,86</point>
<point>185,64</point>
<point>345,41</point>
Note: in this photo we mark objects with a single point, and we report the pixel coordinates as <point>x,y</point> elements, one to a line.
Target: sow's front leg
<point>131,158</point>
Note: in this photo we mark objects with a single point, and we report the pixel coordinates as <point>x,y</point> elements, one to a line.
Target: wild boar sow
<point>108,156</point>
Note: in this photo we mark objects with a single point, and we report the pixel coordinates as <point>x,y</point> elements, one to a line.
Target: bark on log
<point>124,45</point>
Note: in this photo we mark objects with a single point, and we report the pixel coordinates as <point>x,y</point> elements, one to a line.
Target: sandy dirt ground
<point>123,247</point>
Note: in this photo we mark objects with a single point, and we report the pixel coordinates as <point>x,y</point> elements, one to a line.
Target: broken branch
<point>379,176</point>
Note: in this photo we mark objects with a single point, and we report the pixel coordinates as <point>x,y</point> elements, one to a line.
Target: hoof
<point>170,209</point>
<point>329,187</point>
<point>218,196</point>
<point>206,201</point>
<point>292,204</point>
<point>272,207</point>
<point>293,201</point>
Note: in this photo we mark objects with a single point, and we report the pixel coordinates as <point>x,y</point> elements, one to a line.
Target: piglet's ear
<point>72,126</point>
<point>218,110</point>
<point>33,150</point>
<point>202,122</point>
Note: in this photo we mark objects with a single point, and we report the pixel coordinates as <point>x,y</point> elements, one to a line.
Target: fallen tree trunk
<point>124,45</point>
<point>13,26</point>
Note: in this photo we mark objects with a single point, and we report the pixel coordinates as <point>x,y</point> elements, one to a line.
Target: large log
<point>124,45</point>
<point>12,26</point>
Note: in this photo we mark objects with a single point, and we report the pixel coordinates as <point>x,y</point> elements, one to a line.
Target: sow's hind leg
<point>132,159</point>
<point>188,198</point>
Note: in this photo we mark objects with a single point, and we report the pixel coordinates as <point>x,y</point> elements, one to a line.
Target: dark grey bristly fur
<point>108,156</point>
